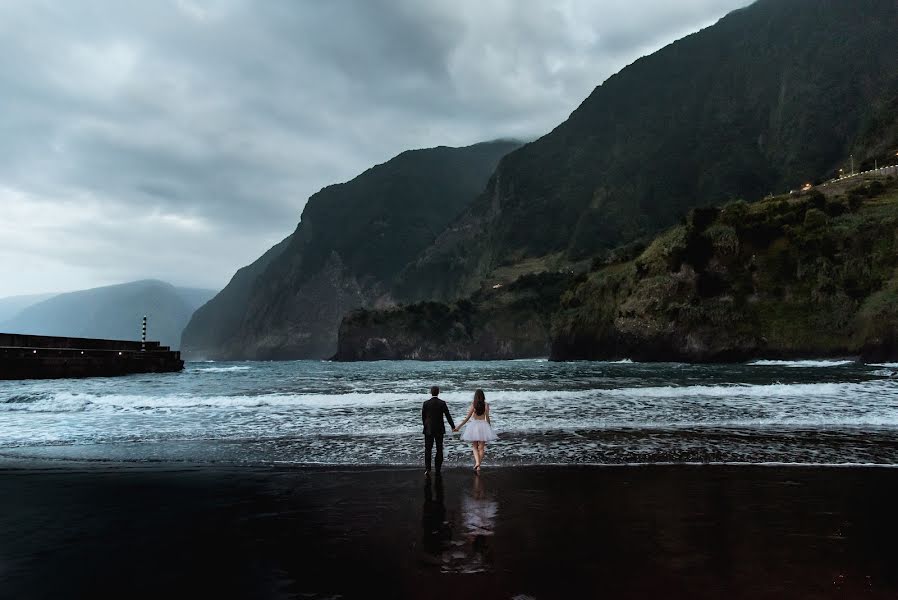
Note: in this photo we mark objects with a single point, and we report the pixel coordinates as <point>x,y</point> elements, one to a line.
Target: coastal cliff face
<point>513,321</point>
<point>351,242</point>
<point>213,324</point>
<point>773,95</point>
<point>785,277</point>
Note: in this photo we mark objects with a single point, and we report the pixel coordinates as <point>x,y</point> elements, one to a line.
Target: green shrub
<point>724,239</point>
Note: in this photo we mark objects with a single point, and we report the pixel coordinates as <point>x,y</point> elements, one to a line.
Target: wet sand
<point>535,532</point>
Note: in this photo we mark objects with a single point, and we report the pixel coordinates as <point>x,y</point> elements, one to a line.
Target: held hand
<point>455,430</point>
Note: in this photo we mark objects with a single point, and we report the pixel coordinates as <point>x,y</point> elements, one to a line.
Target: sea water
<point>312,412</point>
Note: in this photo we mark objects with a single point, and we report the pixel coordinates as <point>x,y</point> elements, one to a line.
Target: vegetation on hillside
<point>772,96</point>
<point>512,321</point>
<point>806,276</point>
<point>788,276</point>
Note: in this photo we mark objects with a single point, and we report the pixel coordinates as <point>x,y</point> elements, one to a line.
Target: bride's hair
<point>479,402</point>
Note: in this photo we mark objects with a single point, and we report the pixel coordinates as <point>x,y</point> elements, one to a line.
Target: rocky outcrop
<point>509,322</point>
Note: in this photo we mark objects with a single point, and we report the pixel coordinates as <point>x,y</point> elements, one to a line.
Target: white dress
<point>478,430</point>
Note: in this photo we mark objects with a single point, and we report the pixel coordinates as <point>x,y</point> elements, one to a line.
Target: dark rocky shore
<point>539,532</point>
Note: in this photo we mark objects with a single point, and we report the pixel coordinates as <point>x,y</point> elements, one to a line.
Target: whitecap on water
<point>802,363</point>
<point>771,390</point>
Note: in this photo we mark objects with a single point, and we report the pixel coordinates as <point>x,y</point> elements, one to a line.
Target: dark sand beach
<point>534,532</point>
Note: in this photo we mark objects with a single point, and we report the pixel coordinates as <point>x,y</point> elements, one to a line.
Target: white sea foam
<point>564,412</point>
<point>802,363</point>
<point>826,422</point>
<point>774,390</point>
<point>515,400</point>
<point>68,402</point>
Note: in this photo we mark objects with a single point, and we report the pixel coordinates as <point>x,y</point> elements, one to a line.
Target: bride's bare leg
<point>476,448</point>
<point>482,451</point>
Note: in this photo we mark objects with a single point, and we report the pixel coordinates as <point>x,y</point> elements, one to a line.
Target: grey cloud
<point>208,124</point>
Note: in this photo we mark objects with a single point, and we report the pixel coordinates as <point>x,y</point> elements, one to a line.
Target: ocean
<point>823,412</point>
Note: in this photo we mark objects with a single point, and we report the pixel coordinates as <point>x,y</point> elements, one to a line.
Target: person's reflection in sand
<point>435,529</point>
<point>479,511</point>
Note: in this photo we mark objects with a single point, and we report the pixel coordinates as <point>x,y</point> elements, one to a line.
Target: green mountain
<point>113,312</point>
<point>809,275</point>
<point>773,95</point>
<point>787,277</point>
<point>352,241</point>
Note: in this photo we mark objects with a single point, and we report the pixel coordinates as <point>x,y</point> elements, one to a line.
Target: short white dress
<point>478,430</point>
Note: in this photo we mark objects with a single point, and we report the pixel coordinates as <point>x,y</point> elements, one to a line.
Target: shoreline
<point>11,464</point>
<point>143,530</point>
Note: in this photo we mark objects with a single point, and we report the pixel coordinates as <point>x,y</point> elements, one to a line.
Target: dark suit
<point>432,412</point>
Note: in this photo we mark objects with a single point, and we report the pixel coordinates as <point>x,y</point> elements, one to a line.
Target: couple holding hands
<point>479,430</point>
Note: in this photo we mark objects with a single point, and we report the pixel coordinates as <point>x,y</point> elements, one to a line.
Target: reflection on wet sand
<point>436,531</point>
<point>472,552</point>
<point>466,550</point>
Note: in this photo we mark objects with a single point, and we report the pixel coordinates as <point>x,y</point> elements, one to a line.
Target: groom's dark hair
<point>434,390</point>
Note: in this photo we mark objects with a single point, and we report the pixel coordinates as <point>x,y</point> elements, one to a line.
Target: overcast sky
<point>180,139</point>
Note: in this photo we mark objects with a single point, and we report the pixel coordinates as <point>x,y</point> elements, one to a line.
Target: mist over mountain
<point>351,242</point>
<point>113,312</point>
<point>13,305</point>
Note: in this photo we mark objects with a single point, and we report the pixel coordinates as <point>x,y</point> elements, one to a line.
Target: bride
<point>480,431</point>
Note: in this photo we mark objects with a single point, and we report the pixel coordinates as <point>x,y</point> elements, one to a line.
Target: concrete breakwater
<point>47,357</point>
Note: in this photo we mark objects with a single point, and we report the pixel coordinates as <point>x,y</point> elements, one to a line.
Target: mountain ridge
<point>113,312</point>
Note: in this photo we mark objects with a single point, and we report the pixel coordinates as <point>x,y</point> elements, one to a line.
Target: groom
<point>432,412</point>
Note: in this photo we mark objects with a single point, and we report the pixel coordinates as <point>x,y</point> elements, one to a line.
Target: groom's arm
<point>423,416</point>
<point>448,416</point>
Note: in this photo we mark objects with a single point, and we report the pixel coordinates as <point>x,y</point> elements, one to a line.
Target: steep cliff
<point>213,323</point>
<point>352,240</point>
<point>773,95</point>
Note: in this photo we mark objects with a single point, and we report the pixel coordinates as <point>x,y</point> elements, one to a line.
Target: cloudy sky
<point>179,139</point>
